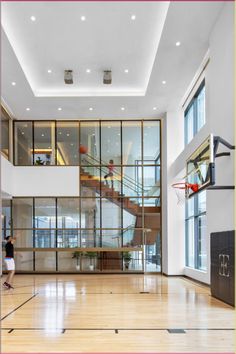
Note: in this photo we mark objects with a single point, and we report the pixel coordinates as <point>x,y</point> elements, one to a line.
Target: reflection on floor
<point>113,313</point>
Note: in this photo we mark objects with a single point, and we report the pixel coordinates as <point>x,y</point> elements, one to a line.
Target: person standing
<point>9,261</point>
<point>110,172</point>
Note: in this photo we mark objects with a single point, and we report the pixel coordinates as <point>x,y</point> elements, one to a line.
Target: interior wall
<point>39,181</point>
<point>219,81</point>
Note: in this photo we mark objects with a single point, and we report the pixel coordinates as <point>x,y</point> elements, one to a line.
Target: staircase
<point>151,214</point>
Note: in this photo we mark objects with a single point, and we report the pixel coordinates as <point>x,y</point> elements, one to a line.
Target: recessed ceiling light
<point>42,134</point>
<point>13,83</point>
<point>88,71</point>
<point>133,17</point>
<point>49,71</point>
<point>59,108</point>
<point>83,18</point>
<point>27,109</point>
<point>22,133</point>
<point>122,108</point>
<point>177,44</point>
<point>126,71</point>
<point>33,18</point>
<point>154,108</point>
<point>67,134</point>
<point>164,82</point>
<point>91,108</point>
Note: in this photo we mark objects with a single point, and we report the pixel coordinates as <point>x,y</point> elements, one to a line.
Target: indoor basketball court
<point>117,177</point>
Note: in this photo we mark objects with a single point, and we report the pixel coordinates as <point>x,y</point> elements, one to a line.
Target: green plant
<point>91,255</point>
<point>127,256</point>
<point>77,255</point>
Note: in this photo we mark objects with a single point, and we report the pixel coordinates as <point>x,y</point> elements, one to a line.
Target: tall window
<point>195,231</point>
<point>5,125</point>
<point>194,114</point>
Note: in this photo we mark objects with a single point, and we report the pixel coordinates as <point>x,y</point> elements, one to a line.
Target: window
<point>194,114</point>
<point>5,126</point>
<point>195,231</point>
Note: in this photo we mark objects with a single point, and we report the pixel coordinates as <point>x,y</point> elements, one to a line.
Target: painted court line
<point>3,318</point>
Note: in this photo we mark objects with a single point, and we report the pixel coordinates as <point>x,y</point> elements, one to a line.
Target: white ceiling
<point>107,39</point>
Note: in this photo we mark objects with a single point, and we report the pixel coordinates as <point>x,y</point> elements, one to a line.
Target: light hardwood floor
<point>113,313</point>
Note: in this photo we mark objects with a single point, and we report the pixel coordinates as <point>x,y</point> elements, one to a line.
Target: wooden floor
<point>113,313</point>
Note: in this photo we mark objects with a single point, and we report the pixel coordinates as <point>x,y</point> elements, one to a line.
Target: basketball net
<point>182,190</point>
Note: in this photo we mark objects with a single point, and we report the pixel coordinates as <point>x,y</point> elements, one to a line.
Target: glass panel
<point>45,238</point>
<point>131,138</point>
<point>6,217</point>
<point>201,109</point>
<point>132,181</point>
<point>24,239</point>
<point>24,261</point>
<point>202,247</point>
<point>151,142</point>
<point>189,124</point>
<point>44,143</point>
<point>151,180</point>
<point>67,143</point>
<point>22,213</point>
<point>90,139</point>
<point>190,207</point>
<point>68,215</point>
<point>23,143</point>
<point>110,143</point>
<point>201,202</point>
<point>4,133</point>
<point>190,242</point>
<point>153,255</point>
<point>45,213</point>
<point>68,263</point>
<point>45,261</point>
<point>90,219</point>
<point>132,261</point>
<point>68,238</point>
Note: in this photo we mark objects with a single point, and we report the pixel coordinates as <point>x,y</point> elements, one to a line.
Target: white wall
<point>39,181</point>
<point>219,121</point>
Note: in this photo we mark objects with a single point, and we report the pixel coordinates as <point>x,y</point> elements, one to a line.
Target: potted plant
<point>91,256</point>
<point>77,255</point>
<point>127,257</point>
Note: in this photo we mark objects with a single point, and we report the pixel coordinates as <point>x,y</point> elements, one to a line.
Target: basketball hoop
<point>182,190</point>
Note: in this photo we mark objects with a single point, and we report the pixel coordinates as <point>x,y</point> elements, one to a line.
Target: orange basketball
<point>83,149</point>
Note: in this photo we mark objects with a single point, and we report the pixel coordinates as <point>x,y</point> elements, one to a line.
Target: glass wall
<point>119,203</point>
<point>23,143</point>
<point>5,133</point>
<point>195,232</point>
<point>194,114</point>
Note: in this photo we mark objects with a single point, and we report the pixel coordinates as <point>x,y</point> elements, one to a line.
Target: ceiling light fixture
<point>133,17</point>
<point>88,71</point>
<point>154,108</point>
<point>83,18</point>
<point>49,71</point>
<point>33,18</point>
<point>67,134</point>
<point>122,108</point>
<point>42,134</point>
<point>126,71</point>
<point>177,44</point>
<point>22,133</point>
<point>27,109</point>
<point>13,83</point>
<point>164,82</point>
<point>107,77</point>
<point>68,77</point>
<point>91,108</point>
<point>59,108</point>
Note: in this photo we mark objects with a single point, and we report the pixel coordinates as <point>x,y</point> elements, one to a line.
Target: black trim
<point>3,318</point>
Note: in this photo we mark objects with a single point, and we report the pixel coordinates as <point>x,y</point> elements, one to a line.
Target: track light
<point>68,77</point>
<point>107,78</point>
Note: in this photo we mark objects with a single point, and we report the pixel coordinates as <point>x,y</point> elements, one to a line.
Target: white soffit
<point>108,39</point>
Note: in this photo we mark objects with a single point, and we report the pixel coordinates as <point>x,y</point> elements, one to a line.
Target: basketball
<point>83,149</point>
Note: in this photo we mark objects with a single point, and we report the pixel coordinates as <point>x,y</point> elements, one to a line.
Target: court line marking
<point>25,302</point>
<point>118,329</point>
